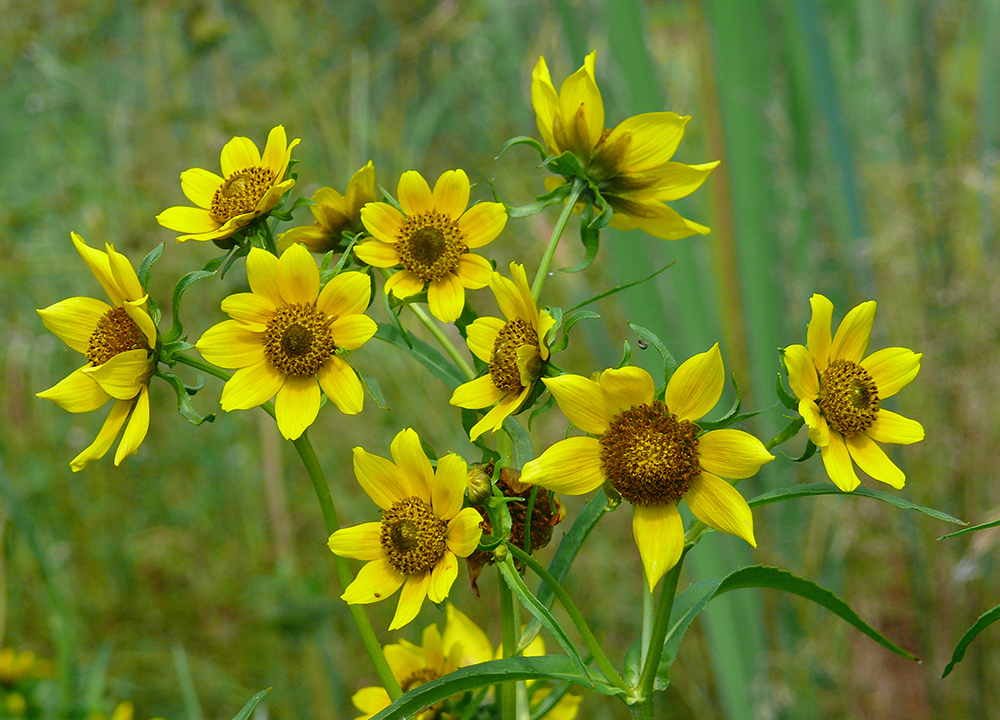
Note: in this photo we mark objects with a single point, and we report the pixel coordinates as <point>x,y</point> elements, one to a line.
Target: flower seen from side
<point>653,453</point>
<point>250,186</point>
<point>423,531</point>
<point>840,394</point>
<point>335,214</point>
<point>119,341</point>
<point>515,351</point>
<point>431,239</point>
<point>286,339</point>
<point>630,165</point>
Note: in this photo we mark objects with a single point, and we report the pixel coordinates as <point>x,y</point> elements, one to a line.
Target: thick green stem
<point>574,615</point>
<point>443,341</point>
<point>507,692</point>
<point>661,623</point>
<point>557,231</point>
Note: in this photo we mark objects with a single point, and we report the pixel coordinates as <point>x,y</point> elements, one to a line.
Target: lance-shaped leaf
<point>985,620</point>
<point>249,707</point>
<point>813,489</point>
<point>424,353</point>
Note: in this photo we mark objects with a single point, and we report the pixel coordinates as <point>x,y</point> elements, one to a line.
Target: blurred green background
<point>859,145</point>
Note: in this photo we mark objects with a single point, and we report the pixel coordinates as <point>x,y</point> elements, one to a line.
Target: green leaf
<point>523,450</point>
<point>439,366</point>
<point>619,288</point>
<point>176,331</point>
<point>649,337</point>
<point>762,576</point>
<point>686,608</point>
<point>790,430</point>
<point>971,529</point>
<point>626,355</point>
<point>985,620</point>
<point>568,321</point>
<point>731,417</point>
<point>249,707</point>
<point>787,399</point>
<point>809,450</point>
<point>522,140</point>
<point>590,236</point>
<point>553,197</point>
<point>813,489</point>
<point>374,389</point>
<point>184,405</point>
<point>145,268</point>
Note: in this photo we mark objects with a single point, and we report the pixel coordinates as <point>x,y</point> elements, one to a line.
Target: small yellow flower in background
<point>334,213</point>
<point>423,530</point>
<point>250,186</point>
<point>514,350</point>
<point>431,239</point>
<point>286,337</point>
<point>840,394</point>
<point>20,665</point>
<point>631,164</point>
<point>653,453</point>
<point>119,341</point>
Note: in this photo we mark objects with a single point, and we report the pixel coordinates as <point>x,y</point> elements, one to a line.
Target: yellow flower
<point>515,351</point>
<point>119,341</point>
<point>653,453</point>
<point>840,393</point>
<point>19,665</point>
<point>334,213</point>
<point>631,164</point>
<point>250,187</point>
<point>431,239</point>
<point>286,337</point>
<point>423,528</point>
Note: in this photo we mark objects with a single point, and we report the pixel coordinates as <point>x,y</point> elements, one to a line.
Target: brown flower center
<point>115,333</point>
<point>649,455</point>
<point>297,340</point>
<point>430,245</point>
<point>412,536</point>
<point>240,192</point>
<point>418,678</point>
<point>848,397</point>
<point>504,372</point>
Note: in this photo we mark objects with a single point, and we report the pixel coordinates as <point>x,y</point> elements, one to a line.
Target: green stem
<point>574,615</point>
<point>507,691</point>
<point>661,623</point>
<point>557,231</point>
<point>272,246</point>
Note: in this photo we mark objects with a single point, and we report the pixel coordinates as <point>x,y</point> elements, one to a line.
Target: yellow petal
<point>837,461</point>
<point>819,429</point>
<point>100,266</point>
<point>873,460</point>
<point>802,375</point>
<point>74,320</point>
<point>493,420</point>
<point>446,298</point>
<point>376,581</point>
<point>677,180</point>
<point>76,393</point>
<point>298,276</point>
<point>654,218</point>
<point>481,336</point>
<point>199,186</point>
<point>403,284</point>
<point>136,311</point>
<point>818,337</point>
<point>316,239</point>
<point>412,462</point>
<point>414,194</point>
<point>383,482</point>
<point>732,453</point>
<point>346,294</point>
<point>892,428</point>
<point>370,701</point>
<point>188,220</point>
<point>106,436</point>
<point>852,336</point>
<point>443,576</point>
<point>383,221</point>
<point>361,542</point>
<point>653,140</point>
<point>696,385</point>
<point>625,388</point>
<point>719,505</point>
<point>251,386</point>
<point>464,532</point>
<point>122,376</point>
<point>276,151</point>
<point>571,467</point>
<point>474,271</point>
<point>262,274</point>
<point>124,275</point>
<point>545,101</point>
<point>296,405</point>
<point>451,193</point>
<point>250,309</point>
<point>352,331</point>
<point>138,425</point>
<point>341,384</point>
<point>460,630</point>
<point>482,223</point>
<point>510,300</point>
<point>892,369</point>
<point>410,599</point>
<point>478,393</point>
<point>659,534</point>
<point>229,344</point>
<point>581,108</point>
<point>361,189</point>
<point>582,402</point>
<point>238,154</point>
<point>448,487</point>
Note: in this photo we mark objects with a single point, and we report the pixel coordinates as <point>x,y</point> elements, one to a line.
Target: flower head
<point>250,186</point>
<point>653,453</point>
<point>335,214</point>
<point>840,394</point>
<point>631,164</point>
<point>515,351</point>
<point>119,341</point>
<point>423,529</point>
<point>286,338</point>
<point>431,240</point>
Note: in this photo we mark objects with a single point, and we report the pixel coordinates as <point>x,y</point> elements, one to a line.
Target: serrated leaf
<point>985,620</point>
<point>184,405</point>
<point>145,268</point>
<point>249,707</point>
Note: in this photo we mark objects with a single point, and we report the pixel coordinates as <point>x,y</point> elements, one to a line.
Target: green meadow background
<point>860,144</point>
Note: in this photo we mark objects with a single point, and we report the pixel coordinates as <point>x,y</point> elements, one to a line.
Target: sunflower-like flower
<point>286,338</point>
<point>431,239</point>
<point>840,394</point>
<point>631,164</point>
<point>335,214</point>
<point>423,529</point>
<point>653,453</point>
<point>515,351</point>
<point>119,341</point>
<point>250,186</point>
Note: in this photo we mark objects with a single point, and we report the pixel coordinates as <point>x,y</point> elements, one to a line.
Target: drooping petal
<point>659,534</point>
<point>819,429</point>
<point>371,701</point>
<point>122,376</point>
<point>696,386</point>
<point>376,581</point>
<point>352,331</point>
<point>732,453</point>
<point>251,386</point>
<point>718,504</point>
<point>448,488</point>
<point>652,216</point>
<point>818,336</point>
<point>188,220</point>
<point>298,276</point>
<point>464,532</point>
<point>443,576</point>
<point>342,385</point>
<point>837,461</point>
<point>76,393</point>
<point>74,320</point>
<point>102,443</point>
<point>892,428</point>
<point>262,274</point>
<point>383,221</point>
<point>481,336</point>
<point>460,630</point>
<point>199,186</point>
<point>479,393</point>
<point>380,479</point>
<point>414,193</point>
<point>474,271</point>
<point>571,467</point>
<point>346,294</point>
<point>250,309</point>
<point>625,388</point>
<point>360,542</point>
<point>873,460</point>
<point>296,405</point>
<point>582,402</point>
<point>451,193</point>
<point>653,140</point>
<point>482,223</point>
<point>138,425</point>
<point>238,154</point>
<point>229,344</point>
<point>410,599</point>
<point>493,420</point>
<point>446,298</point>
<point>412,462</point>
<point>892,369</point>
<point>852,336</point>
<point>802,376</point>
<point>403,284</point>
